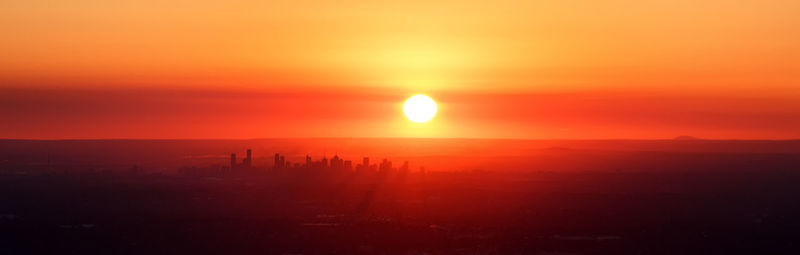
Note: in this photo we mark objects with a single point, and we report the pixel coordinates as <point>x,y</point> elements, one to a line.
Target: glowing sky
<point>510,69</point>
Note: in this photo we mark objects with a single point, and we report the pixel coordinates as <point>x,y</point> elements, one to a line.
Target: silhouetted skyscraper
<point>385,165</point>
<point>277,161</point>
<point>233,161</point>
<point>248,162</point>
<point>336,162</point>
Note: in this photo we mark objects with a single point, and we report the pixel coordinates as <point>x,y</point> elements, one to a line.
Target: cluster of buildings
<point>247,163</point>
<point>334,163</point>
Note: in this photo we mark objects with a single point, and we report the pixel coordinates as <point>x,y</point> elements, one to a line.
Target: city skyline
<point>336,163</point>
<point>414,127</point>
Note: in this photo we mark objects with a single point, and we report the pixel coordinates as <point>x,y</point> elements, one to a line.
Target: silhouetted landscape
<point>434,127</point>
<point>399,196</point>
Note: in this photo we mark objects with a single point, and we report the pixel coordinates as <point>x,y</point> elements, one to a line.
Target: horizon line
<point>415,138</point>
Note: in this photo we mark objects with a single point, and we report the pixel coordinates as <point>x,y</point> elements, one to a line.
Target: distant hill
<point>686,138</point>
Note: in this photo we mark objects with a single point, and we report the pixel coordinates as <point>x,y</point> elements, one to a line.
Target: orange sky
<point>524,69</point>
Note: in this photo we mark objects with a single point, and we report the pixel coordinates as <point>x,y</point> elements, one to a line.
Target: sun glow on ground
<point>419,108</point>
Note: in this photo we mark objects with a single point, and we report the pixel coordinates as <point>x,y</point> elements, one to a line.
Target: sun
<point>419,108</point>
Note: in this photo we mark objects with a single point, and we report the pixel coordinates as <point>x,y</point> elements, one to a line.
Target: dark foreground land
<point>742,203</point>
<point>467,213</point>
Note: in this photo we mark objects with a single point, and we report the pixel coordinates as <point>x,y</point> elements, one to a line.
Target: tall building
<point>248,162</point>
<point>277,161</point>
<point>404,167</point>
<point>308,161</point>
<point>385,165</point>
<point>336,162</point>
<point>233,161</point>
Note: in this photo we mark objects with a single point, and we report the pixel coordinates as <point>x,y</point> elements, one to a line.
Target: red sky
<point>526,69</point>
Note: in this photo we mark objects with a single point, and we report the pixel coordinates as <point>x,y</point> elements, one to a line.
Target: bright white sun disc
<point>419,108</point>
